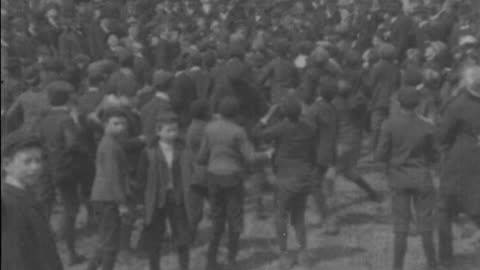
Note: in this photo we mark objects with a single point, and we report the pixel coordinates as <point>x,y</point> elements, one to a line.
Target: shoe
<point>77,259</point>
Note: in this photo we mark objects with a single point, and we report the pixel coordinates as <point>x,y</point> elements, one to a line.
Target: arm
<point>266,72</point>
<point>447,130</point>
<point>247,151</point>
<point>138,184</point>
<point>115,173</point>
<point>204,152</point>
<point>264,132</point>
<point>384,147</point>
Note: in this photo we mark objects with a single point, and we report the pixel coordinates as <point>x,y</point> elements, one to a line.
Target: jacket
<point>111,178</point>
<point>407,146</point>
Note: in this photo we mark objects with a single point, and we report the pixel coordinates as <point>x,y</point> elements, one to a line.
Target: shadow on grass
<point>467,261</point>
<point>359,219</point>
<point>263,256</point>
<point>330,253</point>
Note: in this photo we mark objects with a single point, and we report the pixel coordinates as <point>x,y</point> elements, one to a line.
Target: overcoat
<point>460,133</point>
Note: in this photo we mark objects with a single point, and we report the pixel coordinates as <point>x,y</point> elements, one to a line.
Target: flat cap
<point>18,141</point>
<point>162,78</point>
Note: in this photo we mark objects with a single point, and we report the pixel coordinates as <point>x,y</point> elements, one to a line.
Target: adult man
<point>460,133</point>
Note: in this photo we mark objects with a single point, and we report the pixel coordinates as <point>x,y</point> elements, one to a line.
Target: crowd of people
<point>166,106</point>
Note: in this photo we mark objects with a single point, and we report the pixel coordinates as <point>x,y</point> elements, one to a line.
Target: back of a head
<point>59,93</point>
<point>409,98</point>
<point>200,109</point>
<point>229,107</point>
<point>291,108</point>
<point>327,88</point>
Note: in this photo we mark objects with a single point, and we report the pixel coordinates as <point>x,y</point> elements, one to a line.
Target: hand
<point>123,210</point>
<point>270,152</point>
<point>331,173</point>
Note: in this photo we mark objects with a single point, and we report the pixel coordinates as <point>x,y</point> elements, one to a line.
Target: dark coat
<point>111,182</point>
<point>27,242</point>
<point>324,118</point>
<point>123,82</point>
<point>182,95</point>
<point>149,114</point>
<point>407,146</point>
<point>460,133</point>
<point>58,130</point>
<point>402,33</point>
<point>283,76</point>
<point>203,82</point>
<point>195,174</point>
<point>383,81</point>
<point>70,44</point>
<point>96,40</point>
<point>295,157</point>
<point>153,177</point>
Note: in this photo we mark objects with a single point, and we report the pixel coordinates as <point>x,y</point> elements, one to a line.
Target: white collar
<point>195,68</point>
<point>162,96</point>
<point>93,89</point>
<point>319,99</point>
<point>14,182</point>
<point>165,146</point>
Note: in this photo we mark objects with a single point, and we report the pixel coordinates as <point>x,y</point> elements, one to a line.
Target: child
<point>406,145</point>
<point>59,132</point>
<point>160,178</point>
<point>110,188</point>
<point>197,184</point>
<point>294,164</point>
<point>224,150</point>
<point>25,228</point>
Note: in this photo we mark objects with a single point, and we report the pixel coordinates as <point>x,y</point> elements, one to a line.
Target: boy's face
<point>25,166</point>
<point>116,126</point>
<point>168,132</point>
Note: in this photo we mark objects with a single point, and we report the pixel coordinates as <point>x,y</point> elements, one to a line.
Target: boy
<point>110,188</point>
<point>224,151</point>
<point>406,145</point>
<point>324,117</point>
<point>27,242</point>
<point>294,165</point>
<point>59,131</point>
<point>160,178</point>
<point>197,188</point>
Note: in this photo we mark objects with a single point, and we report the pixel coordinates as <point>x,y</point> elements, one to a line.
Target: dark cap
<point>167,118</point>
<point>199,109</point>
<point>19,140</point>
<point>162,79</point>
<point>409,98</point>
<point>229,107</point>
<point>59,92</point>
<point>327,87</point>
<point>53,64</point>
<point>291,108</point>
<point>413,76</point>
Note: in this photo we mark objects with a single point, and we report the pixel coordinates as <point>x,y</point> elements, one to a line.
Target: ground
<point>364,243</point>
